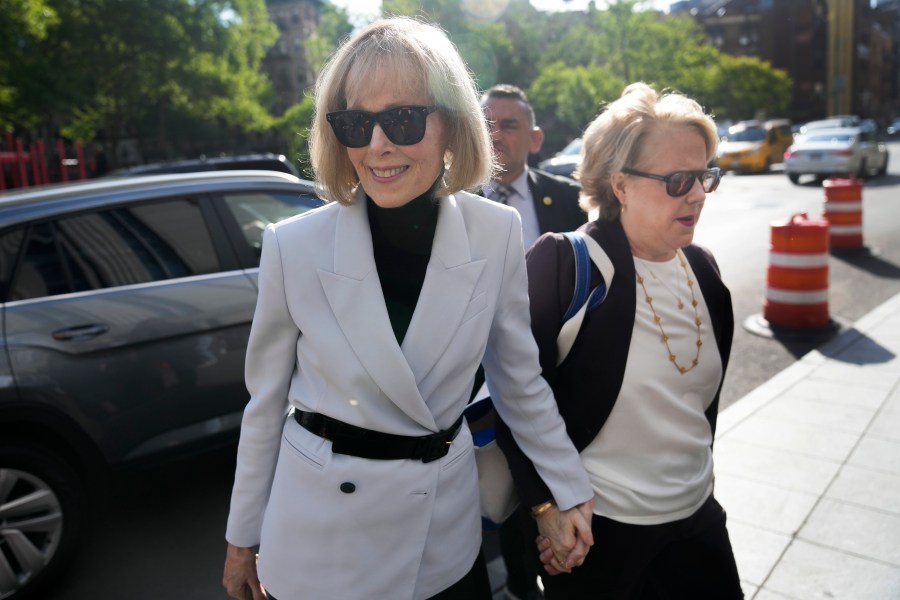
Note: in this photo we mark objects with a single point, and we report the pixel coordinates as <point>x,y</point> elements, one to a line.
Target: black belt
<point>365,443</point>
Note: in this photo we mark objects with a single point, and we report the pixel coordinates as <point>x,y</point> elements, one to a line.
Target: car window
<point>253,211</point>
<point>113,247</point>
<point>747,135</point>
<point>829,138</point>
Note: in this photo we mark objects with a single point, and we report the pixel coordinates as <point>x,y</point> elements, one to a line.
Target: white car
<point>839,151</point>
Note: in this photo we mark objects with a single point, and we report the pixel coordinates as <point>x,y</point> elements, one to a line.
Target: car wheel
<point>883,168</point>
<point>41,514</point>
<point>794,177</point>
<point>862,172</point>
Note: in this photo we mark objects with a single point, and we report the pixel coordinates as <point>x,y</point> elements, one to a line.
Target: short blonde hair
<point>614,139</point>
<point>401,51</point>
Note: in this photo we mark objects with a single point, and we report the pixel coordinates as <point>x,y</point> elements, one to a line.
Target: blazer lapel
<point>357,301</point>
<point>446,292</point>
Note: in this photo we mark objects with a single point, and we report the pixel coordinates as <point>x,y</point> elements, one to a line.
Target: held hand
<point>240,578</point>
<point>568,535</point>
<point>546,555</point>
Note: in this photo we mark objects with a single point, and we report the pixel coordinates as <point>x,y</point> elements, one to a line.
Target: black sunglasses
<point>680,183</point>
<point>404,125</point>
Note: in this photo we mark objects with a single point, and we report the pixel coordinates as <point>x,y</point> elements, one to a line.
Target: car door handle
<point>80,333</point>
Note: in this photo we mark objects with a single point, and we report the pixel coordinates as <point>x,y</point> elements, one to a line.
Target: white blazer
<point>333,526</point>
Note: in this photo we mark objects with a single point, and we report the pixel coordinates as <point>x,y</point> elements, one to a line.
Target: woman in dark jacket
<point>639,389</point>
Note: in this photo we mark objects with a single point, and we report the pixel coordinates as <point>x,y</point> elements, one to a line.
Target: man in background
<point>545,202</point>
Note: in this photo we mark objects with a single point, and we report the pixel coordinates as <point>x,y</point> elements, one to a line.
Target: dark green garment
<point>401,242</point>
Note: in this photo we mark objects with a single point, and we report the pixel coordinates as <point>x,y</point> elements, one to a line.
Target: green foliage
<point>176,70</point>
<point>22,23</point>
<point>567,98</point>
<point>25,17</point>
<point>293,132</point>
<point>103,66</point>
<point>622,45</point>
<point>744,88</point>
<point>474,27</point>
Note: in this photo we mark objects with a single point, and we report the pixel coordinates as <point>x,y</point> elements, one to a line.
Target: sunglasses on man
<point>404,125</point>
<point>680,183</point>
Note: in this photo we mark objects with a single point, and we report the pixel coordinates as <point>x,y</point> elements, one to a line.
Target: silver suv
<point>126,306</point>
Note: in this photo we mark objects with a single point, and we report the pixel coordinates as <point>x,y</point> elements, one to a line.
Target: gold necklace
<point>656,319</point>
<point>677,297</point>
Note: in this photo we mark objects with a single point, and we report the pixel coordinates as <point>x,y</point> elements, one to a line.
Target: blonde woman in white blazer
<point>355,473</point>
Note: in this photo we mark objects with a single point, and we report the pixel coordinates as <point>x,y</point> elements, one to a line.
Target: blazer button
<point>348,488</point>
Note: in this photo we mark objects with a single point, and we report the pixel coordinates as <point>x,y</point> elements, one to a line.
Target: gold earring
<point>622,208</point>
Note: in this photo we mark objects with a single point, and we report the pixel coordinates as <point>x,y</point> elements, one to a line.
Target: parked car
<point>126,305</point>
<point>565,161</point>
<point>266,161</point>
<point>754,146</point>
<point>842,151</point>
<point>830,123</point>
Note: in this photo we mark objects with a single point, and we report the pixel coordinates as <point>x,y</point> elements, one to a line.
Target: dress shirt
<point>523,202</point>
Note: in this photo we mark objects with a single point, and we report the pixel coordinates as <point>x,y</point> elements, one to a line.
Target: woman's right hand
<point>240,578</point>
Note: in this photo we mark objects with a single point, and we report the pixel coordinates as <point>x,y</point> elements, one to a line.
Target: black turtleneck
<point>401,241</point>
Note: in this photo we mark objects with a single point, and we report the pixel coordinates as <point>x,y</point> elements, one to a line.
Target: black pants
<point>474,585</point>
<point>683,560</point>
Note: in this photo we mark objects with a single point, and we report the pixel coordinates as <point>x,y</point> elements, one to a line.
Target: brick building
<point>841,54</point>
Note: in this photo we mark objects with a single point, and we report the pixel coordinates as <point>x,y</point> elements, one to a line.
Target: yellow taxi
<point>754,146</point>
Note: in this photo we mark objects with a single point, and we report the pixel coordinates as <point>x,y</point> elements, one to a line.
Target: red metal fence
<point>20,167</point>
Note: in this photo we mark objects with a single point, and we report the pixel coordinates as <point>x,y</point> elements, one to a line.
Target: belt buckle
<point>433,447</point>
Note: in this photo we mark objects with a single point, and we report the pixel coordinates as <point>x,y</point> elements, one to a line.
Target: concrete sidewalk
<point>808,470</point>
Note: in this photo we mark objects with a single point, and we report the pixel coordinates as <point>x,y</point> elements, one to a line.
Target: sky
<point>365,8</point>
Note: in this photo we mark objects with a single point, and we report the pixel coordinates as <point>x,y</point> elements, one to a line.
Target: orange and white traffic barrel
<point>843,211</point>
<point>797,282</point>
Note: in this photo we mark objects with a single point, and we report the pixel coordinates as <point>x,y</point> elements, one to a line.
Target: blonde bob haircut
<point>405,54</point>
<point>615,139</point>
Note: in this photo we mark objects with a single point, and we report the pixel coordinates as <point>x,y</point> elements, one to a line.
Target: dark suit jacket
<point>555,201</point>
<point>586,385</point>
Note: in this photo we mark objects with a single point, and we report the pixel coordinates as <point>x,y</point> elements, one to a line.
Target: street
<point>736,226</point>
<point>161,535</point>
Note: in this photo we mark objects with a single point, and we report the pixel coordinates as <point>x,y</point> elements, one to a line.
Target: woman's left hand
<point>567,537</point>
<point>545,552</point>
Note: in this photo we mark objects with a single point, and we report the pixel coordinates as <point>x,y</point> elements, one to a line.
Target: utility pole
<point>841,15</point>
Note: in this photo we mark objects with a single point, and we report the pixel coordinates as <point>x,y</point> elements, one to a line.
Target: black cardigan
<point>586,385</point>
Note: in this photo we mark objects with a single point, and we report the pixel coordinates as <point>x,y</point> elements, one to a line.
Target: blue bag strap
<point>582,274</point>
<point>584,249</point>
<point>597,296</point>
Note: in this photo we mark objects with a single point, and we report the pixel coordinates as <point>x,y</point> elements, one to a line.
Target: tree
<point>293,131</point>
<point>22,23</point>
<point>602,51</point>
<point>476,31</point>
<point>567,98</point>
<point>104,65</point>
<point>745,88</point>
